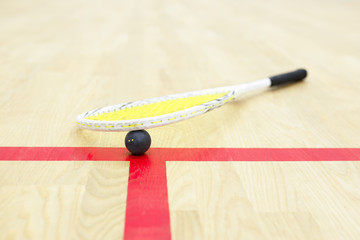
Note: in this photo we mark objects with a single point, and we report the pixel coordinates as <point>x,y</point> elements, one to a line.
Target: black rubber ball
<point>138,142</point>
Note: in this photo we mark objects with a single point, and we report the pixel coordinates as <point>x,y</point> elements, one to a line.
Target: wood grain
<point>62,200</point>
<point>264,200</point>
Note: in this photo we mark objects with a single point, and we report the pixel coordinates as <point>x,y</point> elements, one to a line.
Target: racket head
<point>154,112</point>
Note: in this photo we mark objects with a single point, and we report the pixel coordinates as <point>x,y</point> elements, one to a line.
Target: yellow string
<point>157,108</point>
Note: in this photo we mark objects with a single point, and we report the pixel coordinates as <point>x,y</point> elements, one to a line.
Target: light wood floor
<point>61,58</point>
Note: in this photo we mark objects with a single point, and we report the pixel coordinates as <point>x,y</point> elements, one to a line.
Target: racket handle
<point>289,77</point>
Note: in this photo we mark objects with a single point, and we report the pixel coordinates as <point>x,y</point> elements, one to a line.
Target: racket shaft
<point>273,81</point>
<point>252,86</point>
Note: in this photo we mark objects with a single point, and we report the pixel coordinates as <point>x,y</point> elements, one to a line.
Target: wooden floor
<point>61,58</point>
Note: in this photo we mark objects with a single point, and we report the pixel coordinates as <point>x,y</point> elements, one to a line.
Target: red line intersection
<point>147,207</point>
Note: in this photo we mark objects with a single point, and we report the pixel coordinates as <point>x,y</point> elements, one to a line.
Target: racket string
<point>156,108</point>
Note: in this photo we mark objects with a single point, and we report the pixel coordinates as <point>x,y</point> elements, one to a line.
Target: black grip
<point>289,77</point>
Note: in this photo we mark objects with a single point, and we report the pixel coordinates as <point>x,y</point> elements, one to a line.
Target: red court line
<point>180,154</point>
<point>147,207</point>
<point>62,153</point>
<point>255,154</point>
